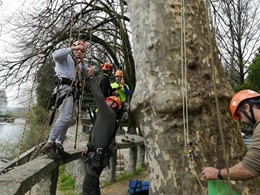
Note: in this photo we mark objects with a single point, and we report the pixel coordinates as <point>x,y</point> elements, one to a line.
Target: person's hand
<point>79,47</point>
<point>85,152</point>
<point>210,173</point>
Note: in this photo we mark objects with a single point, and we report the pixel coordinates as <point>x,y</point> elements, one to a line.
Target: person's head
<point>107,68</point>
<point>119,76</point>
<point>79,53</point>
<point>114,103</point>
<point>243,104</point>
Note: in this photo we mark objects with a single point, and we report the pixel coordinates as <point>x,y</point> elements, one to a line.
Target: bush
<point>65,181</point>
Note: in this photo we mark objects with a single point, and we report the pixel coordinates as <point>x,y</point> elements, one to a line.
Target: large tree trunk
<point>158,100</point>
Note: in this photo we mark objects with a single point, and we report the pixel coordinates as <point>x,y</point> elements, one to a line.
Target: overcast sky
<point>8,10</point>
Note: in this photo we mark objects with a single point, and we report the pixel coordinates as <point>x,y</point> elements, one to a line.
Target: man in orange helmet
<point>104,82</point>
<point>245,105</point>
<point>122,89</point>
<point>97,152</point>
<point>69,67</point>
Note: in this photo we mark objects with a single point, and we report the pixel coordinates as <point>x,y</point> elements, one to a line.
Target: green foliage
<point>8,150</point>
<point>37,119</point>
<point>253,79</point>
<point>45,84</point>
<point>65,181</point>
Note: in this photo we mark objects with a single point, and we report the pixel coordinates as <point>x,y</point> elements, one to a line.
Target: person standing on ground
<point>69,67</point>
<point>245,105</point>
<point>97,152</point>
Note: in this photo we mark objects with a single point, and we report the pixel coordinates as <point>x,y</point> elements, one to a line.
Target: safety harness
<point>76,91</point>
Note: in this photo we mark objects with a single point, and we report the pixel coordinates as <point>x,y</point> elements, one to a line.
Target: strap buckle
<point>99,150</point>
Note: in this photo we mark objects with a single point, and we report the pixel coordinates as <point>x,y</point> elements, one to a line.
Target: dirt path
<point>121,187</point>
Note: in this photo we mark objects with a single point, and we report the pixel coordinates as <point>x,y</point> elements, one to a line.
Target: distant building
<point>3,103</point>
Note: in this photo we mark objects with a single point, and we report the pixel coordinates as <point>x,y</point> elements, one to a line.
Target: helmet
<point>115,99</point>
<point>238,98</point>
<point>119,73</point>
<point>106,66</point>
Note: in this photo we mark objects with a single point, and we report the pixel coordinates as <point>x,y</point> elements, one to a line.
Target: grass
<point>66,184</point>
<point>65,181</point>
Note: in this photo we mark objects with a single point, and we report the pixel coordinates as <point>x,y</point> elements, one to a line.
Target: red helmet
<point>106,66</point>
<point>115,99</point>
<point>119,73</point>
<point>238,98</point>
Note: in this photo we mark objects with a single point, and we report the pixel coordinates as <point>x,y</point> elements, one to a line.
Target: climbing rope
<point>184,75</point>
<point>187,143</point>
<point>27,117</point>
<point>210,38</point>
<point>71,23</point>
<point>80,99</point>
<point>29,107</point>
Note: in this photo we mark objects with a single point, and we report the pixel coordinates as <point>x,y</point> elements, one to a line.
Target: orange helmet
<point>106,66</point>
<point>119,73</point>
<point>238,98</point>
<point>115,99</point>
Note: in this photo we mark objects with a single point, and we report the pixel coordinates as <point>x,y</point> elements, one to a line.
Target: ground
<point>121,187</point>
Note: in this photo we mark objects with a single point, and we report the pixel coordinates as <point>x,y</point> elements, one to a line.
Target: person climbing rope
<point>97,151</point>
<point>245,105</point>
<point>69,67</point>
<point>104,82</point>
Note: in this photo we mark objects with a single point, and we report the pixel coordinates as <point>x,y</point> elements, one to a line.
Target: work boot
<point>61,152</point>
<point>50,150</point>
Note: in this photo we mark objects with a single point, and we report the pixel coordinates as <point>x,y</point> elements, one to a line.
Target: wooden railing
<point>22,178</point>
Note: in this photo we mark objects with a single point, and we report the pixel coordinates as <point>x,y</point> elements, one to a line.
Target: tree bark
<point>158,97</point>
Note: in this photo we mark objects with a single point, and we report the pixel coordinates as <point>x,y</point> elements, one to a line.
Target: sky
<point>10,8</point>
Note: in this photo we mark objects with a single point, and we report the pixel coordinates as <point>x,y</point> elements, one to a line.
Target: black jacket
<point>105,86</point>
<point>105,125</point>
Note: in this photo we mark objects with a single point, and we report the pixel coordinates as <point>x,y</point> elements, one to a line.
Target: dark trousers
<point>91,179</point>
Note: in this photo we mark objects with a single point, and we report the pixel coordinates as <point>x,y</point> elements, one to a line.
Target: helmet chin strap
<point>114,108</point>
<point>252,118</point>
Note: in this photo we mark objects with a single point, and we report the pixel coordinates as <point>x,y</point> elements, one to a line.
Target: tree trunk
<point>158,97</point>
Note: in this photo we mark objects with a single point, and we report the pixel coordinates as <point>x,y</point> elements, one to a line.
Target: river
<point>10,134</point>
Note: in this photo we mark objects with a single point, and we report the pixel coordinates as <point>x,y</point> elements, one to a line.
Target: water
<point>10,134</point>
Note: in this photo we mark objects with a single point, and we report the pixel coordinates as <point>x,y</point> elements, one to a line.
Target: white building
<point>3,103</point>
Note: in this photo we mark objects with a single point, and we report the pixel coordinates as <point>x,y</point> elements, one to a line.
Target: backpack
<point>137,187</point>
